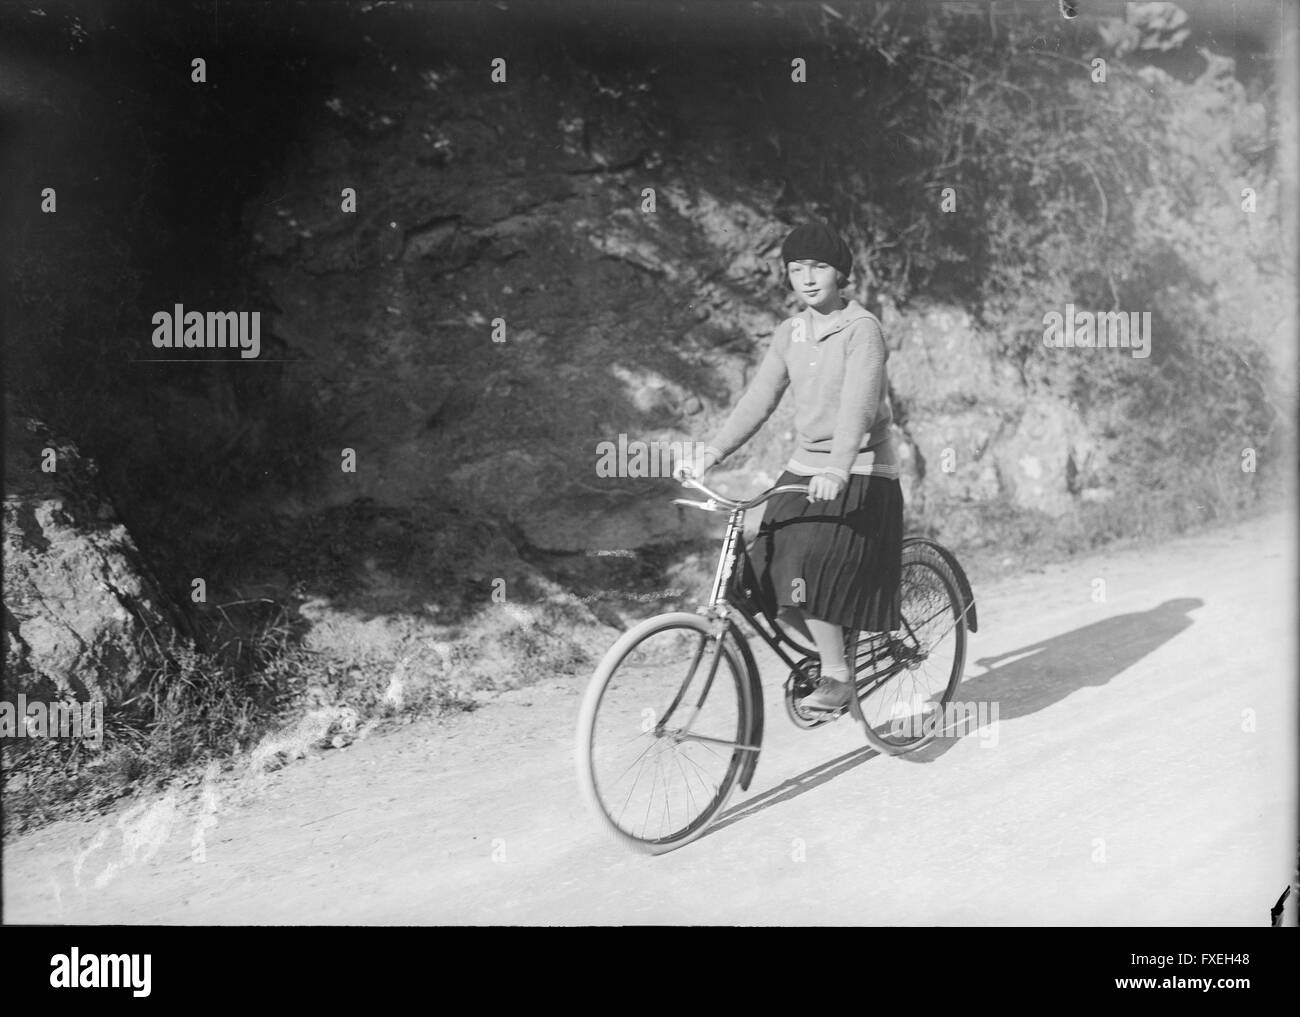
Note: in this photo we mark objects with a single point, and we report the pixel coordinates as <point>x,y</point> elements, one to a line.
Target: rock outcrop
<point>82,617</point>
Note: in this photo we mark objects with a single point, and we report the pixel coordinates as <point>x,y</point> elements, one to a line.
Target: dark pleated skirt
<point>835,560</point>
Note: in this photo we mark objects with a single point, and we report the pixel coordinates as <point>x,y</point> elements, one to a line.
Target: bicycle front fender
<point>755,734</point>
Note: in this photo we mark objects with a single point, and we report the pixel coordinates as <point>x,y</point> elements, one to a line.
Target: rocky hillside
<point>584,254</point>
<point>489,246</point>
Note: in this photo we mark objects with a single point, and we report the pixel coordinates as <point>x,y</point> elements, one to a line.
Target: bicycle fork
<point>713,644</point>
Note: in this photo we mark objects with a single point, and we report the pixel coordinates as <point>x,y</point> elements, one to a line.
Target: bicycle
<point>679,693</point>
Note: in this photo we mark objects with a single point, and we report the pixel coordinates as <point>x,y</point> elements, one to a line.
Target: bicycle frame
<point>721,603</point>
<point>734,554</point>
<point>698,640</point>
<point>720,606</point>
<point>769,629</point>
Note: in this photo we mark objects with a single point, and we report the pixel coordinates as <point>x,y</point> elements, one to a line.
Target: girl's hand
<point>701,466</point>
<point>825,487</point>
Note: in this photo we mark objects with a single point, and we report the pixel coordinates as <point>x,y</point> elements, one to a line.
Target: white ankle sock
<point>840,674</point>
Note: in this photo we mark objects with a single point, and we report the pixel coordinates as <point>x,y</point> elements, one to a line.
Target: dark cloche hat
<point>816,241</point>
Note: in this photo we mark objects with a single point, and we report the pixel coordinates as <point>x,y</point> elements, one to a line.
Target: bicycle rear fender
<point>755,734</point>
<point>963,584</point>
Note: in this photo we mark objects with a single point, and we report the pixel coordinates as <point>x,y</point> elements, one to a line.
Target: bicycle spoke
<point>654,783</point>
<point>686,780</point>
<point>698,771</point>
<point>630,791</point>
<point>638,758</point>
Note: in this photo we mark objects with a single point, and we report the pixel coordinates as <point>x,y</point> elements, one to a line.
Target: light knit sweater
<point>836,365</point>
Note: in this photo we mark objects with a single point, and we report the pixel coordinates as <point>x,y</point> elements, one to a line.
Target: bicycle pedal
<point>834,711</point>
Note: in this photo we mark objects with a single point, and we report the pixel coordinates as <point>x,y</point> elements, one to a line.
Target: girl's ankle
<point>836,674</point>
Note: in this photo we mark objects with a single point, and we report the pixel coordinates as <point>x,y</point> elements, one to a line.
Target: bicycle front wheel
<point>662,734</point>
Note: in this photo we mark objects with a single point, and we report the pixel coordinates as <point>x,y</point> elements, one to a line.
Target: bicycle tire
<point>933,605</point>
<point>596,763</point>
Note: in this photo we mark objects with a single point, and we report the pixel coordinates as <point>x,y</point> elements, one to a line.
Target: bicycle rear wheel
<point>905,681</point>
<point>663,730</point>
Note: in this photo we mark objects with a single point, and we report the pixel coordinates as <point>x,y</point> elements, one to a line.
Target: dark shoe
<point>830,695</point>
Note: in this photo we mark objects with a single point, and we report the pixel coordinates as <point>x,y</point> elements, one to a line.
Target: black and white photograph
<point>757,463</point>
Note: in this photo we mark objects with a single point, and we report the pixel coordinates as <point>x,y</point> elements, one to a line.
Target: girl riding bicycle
<point>830,560</point>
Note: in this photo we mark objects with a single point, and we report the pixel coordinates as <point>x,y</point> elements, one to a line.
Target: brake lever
<point>708,506</point>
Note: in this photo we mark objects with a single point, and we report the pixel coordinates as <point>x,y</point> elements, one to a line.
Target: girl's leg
<point>837,689</point>
<point>830,647</point>
<point>792,618</point>
<point>827,638</point>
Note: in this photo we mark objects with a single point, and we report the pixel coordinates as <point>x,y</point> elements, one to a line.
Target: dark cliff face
<point>521,282</point>
<point>581,253</point>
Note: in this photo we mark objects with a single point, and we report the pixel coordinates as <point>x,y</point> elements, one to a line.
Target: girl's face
<point>816,283</point>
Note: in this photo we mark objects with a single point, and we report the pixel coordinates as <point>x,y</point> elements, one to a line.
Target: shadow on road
<point>793,787</point>
<point>1030,678</point>
<point>1021,681</point>
<point>1036,676</point>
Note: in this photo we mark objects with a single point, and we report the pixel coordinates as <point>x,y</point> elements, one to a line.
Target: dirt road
<point>1142,771</point>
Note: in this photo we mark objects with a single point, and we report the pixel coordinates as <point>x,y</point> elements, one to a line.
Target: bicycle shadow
<point>793,787</point>
<point>1033,677</point>
<point>1037,675</point>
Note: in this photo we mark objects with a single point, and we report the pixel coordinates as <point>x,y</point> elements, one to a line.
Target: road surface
<point>1142,771</point>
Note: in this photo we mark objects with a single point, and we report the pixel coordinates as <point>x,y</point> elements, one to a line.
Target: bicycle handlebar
<point>718,502</point>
